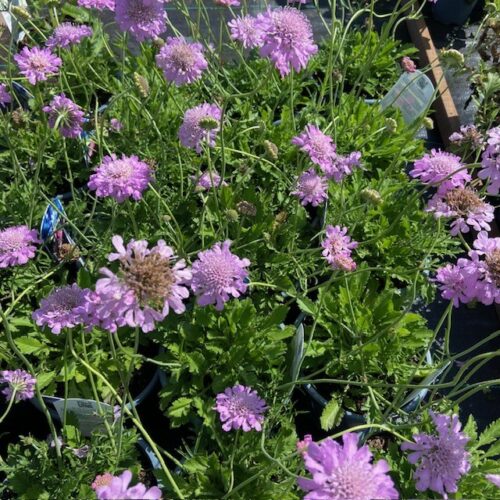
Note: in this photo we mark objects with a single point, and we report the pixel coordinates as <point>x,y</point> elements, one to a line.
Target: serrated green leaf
<point>179,409</point>
<point>331,415</point>
<point>29,345</point>
<point>307,305</point>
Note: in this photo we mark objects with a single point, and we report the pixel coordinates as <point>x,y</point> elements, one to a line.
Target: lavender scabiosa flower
<point>67,34</point>
<point>240,407</point>
<point>311,188</point>
<point>408,65</point>
<point>218,274</point>
<point>468,134</point>
<point>5,97</point>
<point>338,248</point>
<point>345,472</point>
<point>487,286</point>
<point>342,165</point>
<point>457,282</point>
<point>115,125</point>
<point>466,209</point>
<point>434,168</point>
<point>117,487</point>
<point>18,384</point>
<point>121,178</point>
<point>441,457</point>
<point>494,479</point>
<point>67,115</point>
<point>490,162</point>
<point>97,4</point>
<point>146,287</point>
<point>65,307</point>
<point>200,125</point>
<point>208,180</point>
<point>144,19</point>
<point>317,145</point>
<point>246,30</point>
<point>17,245</point>
<point>36,63</point>
<point>180,61</point>
<point>287,39</point>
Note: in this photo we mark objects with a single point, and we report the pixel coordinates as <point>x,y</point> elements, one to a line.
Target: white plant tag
<point>87,411</point>
<point>412,94</point>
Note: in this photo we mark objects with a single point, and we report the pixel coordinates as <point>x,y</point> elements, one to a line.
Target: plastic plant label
<point>87,411</point>
<point>412,94</point>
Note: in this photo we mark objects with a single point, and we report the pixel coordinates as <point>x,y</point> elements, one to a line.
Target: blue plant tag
<point>51,218</point>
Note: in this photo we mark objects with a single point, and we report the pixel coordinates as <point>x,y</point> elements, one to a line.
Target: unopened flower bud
<point>337,75</point>
<point>141,84</point>
<point>281,217</point>
<point>271,150</point>
<point>452,57</point>
<point>232,215</point>
<point>19,117</point>
<point>391,125</point>
<point>158,42</point>
<point>246,208</point>
<point>20,12</point>
<point>372,196</point>
<point>428,123</point>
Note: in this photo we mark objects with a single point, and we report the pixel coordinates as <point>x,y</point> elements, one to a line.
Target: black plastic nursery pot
<point>317,402</point>
<point>453,12</point>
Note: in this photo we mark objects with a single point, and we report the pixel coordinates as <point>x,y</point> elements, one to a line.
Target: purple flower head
<point>465,207</point>
<point>208,180</point>
<point>345,472</point>
<point>240,407</point>
<point>493,478</point>
<point>115,124</point>
<point>457,282</point>
<point>217,275</point>
<point>102,480</point>
<point>311,188</point>
<point>36,63</point>
<point>488,283</point>
<point>19,382</point>
<point>342,165</point>
<point>121,178</point>
<point>246,30</point>
<point>66,115</point>
<point>408,65</point>
<point>180,61</point>
<point>97,4</point>
<point>200,125</point>
<point>338,248</point>
<point>434,168</point>
<point>287,39</point>
<point>317,145</point>
<point>468,134</point>
<point>144,19</point>
<point>17,245</point>
<point>67,34</point>
<point>5,97</point>
<point>147,285</point>
<point>63,308</point>
<point>118,488</point>
<point>441,457</point>
<point>490,162</point>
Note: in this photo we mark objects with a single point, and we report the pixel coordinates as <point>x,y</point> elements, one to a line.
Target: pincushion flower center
<point>462,201</point>
<point>150,277</point>
<point>493,263</point>
<point>183,57</point>
<point>38,62</point>
<point>121,169</point>
<point>218,273</point>
<point>349,481</point>
<point>11,240</point>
